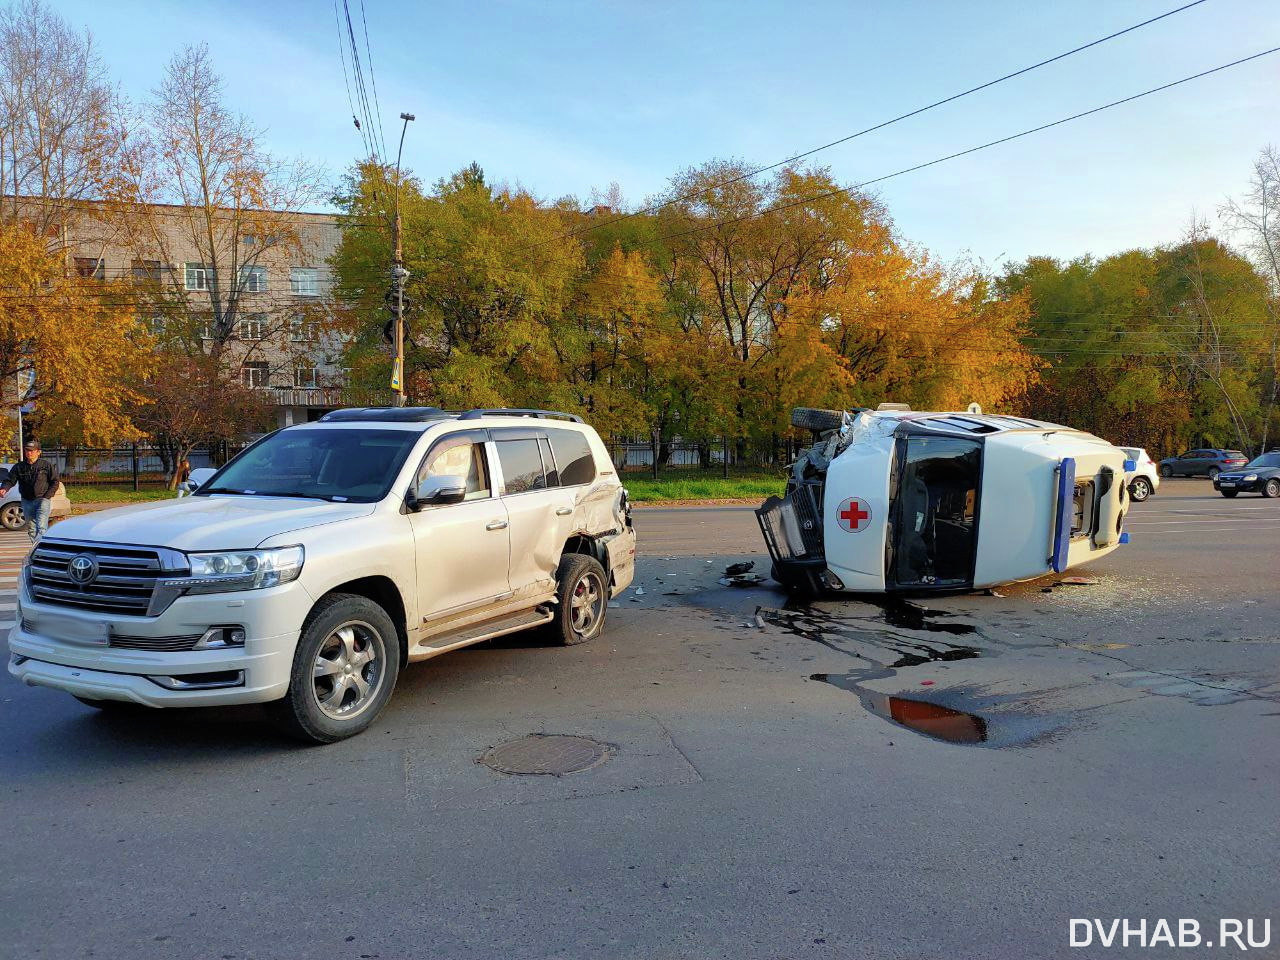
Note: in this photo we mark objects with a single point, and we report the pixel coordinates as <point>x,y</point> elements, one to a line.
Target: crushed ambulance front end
<point>917,502</point>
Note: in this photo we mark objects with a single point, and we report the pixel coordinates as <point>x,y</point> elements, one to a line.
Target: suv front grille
<point>124,584</point>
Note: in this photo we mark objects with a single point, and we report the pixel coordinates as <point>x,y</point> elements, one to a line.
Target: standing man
<point>37,480</point>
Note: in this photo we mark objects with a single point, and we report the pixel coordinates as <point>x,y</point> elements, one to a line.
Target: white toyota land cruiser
<point>318,562</point>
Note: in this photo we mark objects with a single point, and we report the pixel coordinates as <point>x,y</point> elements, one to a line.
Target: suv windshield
<point>344,464</point>
<point>1266,460</point>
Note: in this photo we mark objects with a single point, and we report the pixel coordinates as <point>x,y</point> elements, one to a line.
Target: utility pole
<point>398,276</point>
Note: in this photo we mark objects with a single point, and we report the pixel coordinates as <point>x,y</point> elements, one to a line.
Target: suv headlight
<point>242,569</point>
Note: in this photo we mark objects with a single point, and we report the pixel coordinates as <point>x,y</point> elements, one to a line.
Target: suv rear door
<point>532,496</point>
<point>463,549</point>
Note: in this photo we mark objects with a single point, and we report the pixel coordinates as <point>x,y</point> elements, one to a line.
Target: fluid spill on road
<point>912,616</point>
<point>930,719</point>
<point>877,632</point>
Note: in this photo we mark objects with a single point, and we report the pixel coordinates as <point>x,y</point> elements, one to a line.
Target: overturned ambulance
<point>896,500</point>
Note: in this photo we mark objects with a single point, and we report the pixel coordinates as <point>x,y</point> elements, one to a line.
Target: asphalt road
<point>760,800</point>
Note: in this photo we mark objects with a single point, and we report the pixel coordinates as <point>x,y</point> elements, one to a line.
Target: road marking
<point>1197,522</point>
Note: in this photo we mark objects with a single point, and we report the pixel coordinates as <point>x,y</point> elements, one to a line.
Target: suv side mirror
<point>436,491</point>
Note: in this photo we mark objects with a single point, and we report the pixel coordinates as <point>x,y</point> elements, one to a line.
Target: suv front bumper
<point>42,653</point>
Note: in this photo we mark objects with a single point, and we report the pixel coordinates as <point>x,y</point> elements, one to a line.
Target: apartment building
<point>266,269</point>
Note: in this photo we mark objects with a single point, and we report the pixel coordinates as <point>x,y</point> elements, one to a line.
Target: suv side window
<point>573,457</point>
<point>461,458</point>
<point>522,468</point>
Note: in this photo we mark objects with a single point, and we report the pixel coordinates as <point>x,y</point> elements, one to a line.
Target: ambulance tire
<point>811,418</point>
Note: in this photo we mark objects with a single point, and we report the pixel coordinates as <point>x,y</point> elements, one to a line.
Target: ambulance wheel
<point>811,418</point>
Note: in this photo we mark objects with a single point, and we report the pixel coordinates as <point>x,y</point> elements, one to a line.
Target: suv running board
<point>487,630</point>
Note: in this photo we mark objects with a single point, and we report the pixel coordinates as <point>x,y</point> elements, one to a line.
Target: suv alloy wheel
<point>344,669</point>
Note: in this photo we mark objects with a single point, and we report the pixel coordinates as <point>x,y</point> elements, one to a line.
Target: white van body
<point>896,500</point>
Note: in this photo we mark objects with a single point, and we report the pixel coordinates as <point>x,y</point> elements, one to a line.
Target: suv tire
<point>1166,471</point>
<point>1271,488</point>
<point>354,644</point>
<point>811,418</point>
<point>1213,473</point>
<point>583,599</point>
<point>1140,489</point>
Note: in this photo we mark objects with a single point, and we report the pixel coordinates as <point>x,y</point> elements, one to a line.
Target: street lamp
<point>398,275</point>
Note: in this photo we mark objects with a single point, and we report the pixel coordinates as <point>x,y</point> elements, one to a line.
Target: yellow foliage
<point>82,341</point>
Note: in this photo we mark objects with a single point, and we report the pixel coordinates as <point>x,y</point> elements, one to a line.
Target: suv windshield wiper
<point>266,493</point>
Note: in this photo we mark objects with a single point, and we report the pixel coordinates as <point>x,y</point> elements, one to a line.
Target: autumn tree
<point>1255,220</point>
<point>196,177</point>
<point>489,284</point>
<point>56,104</point>
<point>82,351</point>
<point>186,401</point>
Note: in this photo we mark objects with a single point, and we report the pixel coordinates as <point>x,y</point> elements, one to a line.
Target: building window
<point>302,331</point>
<point>156,325</point>
<point>198,276</point>
<point>91,268</point>
<point>255,374</point>
<point>206,330</point>
<point>304,281</point>
<point>304,377</point>
<point>253,279</point>
<point>145,271</point>
<point>253,327</point>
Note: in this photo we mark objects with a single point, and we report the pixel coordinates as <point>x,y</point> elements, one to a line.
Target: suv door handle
<point>496,525</point>
<point>564,511</point>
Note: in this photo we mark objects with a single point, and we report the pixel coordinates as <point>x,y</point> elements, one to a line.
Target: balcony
<point>331,397</point>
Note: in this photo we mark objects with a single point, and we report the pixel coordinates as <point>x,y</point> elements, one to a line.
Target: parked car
<point>891,500</point>
<point>323,558</point>
<point>11,506</point>
<point>1207,462</point>
<point>198,476</point>
<point>1144,478</point>
<point>1259,475</point>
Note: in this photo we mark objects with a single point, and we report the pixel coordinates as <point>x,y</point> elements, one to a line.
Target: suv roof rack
<point>518,412</point>
<point>386,414</point>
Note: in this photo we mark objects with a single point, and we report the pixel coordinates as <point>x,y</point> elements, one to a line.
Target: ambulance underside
<point>917,504</point>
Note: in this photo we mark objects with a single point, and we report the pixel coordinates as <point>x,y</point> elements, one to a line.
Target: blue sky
<point>563,97</point>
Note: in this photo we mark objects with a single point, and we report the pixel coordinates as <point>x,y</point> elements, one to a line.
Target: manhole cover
<point>553,754</point>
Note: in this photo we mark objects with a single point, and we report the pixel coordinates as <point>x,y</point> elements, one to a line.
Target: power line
<point>372,78</point>
<point>337,22</point>
<point>777,208</point>
<point>879,126</point>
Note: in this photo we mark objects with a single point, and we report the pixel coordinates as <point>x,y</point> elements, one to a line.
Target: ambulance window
<point>935,528</point>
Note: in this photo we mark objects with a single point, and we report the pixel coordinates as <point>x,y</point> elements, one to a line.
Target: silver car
<point>11,506</point>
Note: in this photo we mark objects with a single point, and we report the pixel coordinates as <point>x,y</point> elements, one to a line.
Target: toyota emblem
<point>82,568</point>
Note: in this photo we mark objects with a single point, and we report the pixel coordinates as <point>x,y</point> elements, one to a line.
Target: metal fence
<point>723,455</point>
<point>134,465</point>
<point>141,465</point>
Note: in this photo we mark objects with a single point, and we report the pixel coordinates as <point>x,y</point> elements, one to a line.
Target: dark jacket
<point>36,480</point>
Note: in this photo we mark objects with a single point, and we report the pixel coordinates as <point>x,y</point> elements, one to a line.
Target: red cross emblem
<point>853,515</point>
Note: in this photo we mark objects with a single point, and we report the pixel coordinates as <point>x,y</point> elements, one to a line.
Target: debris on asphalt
<point>734,569</point>
<point>926,683</point>
<point>989,592</point>
<point>1046,589</point>
<point>639,591</point>
<point>1078,582</point>
<point>742,580</point>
